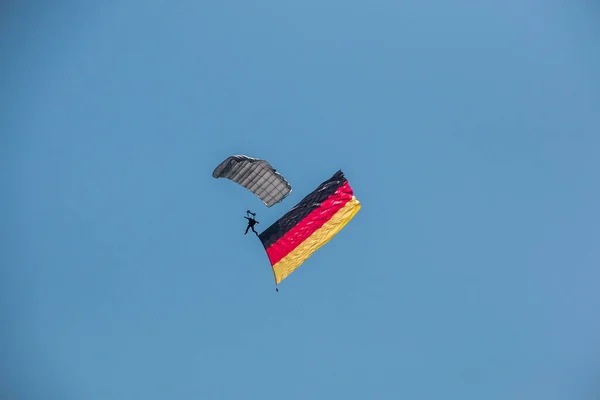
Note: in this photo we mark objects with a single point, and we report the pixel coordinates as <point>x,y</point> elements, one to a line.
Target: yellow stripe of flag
<point>321,236</point>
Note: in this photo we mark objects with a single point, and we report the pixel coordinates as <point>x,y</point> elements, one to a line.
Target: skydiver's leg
<point>254,231</point>
<point>248,227</point>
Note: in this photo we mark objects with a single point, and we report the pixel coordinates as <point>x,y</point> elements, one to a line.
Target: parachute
<point>311,223</point>
<point>256,175</point>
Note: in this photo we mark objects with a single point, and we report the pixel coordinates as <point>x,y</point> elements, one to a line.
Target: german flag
<point>309,225</point>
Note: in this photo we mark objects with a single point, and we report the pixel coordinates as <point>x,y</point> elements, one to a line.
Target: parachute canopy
<point>256,175</point>
<point>310,224</point>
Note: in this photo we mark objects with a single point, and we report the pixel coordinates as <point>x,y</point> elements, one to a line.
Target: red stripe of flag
<point>309,225</point>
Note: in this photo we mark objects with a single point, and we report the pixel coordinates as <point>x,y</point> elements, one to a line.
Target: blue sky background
<point>469,130</point>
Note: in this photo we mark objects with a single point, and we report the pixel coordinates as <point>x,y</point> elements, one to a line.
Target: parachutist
<point>251,222</point>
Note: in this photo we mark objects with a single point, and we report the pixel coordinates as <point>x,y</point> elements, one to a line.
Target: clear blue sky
<point>469,130</point>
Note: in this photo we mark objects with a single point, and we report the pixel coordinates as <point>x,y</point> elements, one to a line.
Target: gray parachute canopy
<point>256,175</point>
